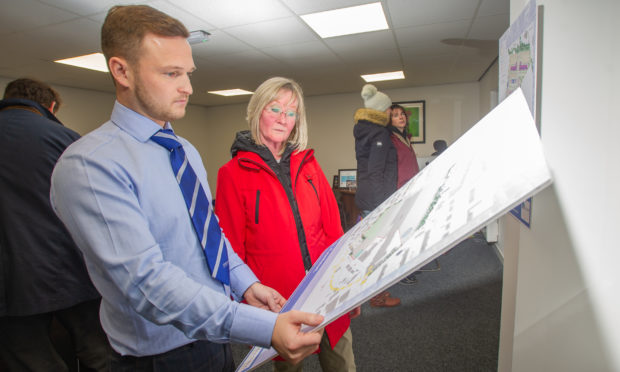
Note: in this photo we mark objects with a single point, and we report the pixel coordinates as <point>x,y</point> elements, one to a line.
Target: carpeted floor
<point>448,321</point>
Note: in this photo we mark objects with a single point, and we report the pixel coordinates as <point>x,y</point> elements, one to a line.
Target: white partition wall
<point>562,288</point>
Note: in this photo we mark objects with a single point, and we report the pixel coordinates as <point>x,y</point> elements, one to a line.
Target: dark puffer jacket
<point>377,162</point>
<point>41,269</point>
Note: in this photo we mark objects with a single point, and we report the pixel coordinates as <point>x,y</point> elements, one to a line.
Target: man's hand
<point>264,297</point>
<point>289,341</point>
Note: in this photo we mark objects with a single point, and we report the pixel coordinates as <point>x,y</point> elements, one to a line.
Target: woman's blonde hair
<point>268,92</point>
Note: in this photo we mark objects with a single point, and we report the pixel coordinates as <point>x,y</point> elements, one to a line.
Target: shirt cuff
<point>241,278</point>
<point>253,326</point>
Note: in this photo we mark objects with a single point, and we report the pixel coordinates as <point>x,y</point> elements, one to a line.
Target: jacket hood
<point>244,142</point>
<point>373,116</point>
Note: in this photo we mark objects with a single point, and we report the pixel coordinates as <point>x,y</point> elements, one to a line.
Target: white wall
<point>488,89</point>
<point>451,110</point>
<point>566,278</point>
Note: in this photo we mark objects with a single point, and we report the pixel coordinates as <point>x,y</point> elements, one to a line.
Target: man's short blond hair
<point>124,29</point>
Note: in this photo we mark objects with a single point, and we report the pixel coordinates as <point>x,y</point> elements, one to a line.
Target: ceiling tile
<point>244,59</point>
<point>219,43</point>
<point>494,7</point>
<point>30,14</point>
<point>388,60</point>
<point>61,40</point>
<point>428,49</point>
<point>273,33</point>
<point>368,42</point>
<point>405,13</point>
<point>229,13</point>
<point>314,52</point>
<point>85,8</point>
<point>489,27</point>
<point>190,21</point>
<point>427,39</point>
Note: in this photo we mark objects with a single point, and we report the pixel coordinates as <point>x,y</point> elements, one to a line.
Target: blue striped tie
<point>204,220</point>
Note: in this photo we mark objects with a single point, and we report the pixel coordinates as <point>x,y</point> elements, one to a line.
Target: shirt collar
<point>138,126</point>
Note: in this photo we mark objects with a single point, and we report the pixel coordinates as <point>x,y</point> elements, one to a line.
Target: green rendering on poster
<point>416,116</point>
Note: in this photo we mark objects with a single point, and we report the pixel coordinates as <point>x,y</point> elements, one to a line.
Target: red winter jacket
<point>258,218</point>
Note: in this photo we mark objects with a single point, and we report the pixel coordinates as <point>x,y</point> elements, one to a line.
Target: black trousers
<point>25,344</point>
<point>199,356</point>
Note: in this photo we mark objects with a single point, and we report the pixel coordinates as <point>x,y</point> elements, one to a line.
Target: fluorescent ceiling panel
<point>230,92</point>
<point>347,21</point>
<point>394,75</point>
<point>95,61</point>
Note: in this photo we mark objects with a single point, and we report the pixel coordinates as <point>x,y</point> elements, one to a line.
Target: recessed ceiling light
<point>347,21</point>
<point>230,92</point>
<point>95,61</point>
<point>394,75</point>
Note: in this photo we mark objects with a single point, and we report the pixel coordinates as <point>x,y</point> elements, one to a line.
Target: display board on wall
<point>519,68</point>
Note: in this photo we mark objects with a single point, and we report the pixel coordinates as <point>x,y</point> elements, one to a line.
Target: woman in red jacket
<point>276,207</point>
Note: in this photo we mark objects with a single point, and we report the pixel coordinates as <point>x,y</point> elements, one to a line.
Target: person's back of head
<point>440,146</point>
<point>33,90</point>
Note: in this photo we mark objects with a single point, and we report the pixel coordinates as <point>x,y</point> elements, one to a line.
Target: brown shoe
<point>383,300</point>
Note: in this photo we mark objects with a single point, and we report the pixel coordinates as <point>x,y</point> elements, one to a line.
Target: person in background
<point>439,146</point>
<point>277,208</point>
<point>407,161</point>
<point>152,245</point>
<point>377,162</point>
<point>43,276</point>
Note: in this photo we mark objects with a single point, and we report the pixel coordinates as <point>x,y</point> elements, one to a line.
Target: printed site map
<point>477,179</point>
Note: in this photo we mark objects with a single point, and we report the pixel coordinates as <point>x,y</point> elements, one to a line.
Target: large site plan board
<point>481,176</point>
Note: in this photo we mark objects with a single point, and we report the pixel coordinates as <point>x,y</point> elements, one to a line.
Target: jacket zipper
<point>257,204</point>
<point>301,164</point>
<point>313,188</point>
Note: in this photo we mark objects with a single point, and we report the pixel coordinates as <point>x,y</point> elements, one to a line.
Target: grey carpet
<point>448,321</point>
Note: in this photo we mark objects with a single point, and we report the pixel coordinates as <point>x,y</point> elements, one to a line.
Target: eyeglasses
<point>276,110</point>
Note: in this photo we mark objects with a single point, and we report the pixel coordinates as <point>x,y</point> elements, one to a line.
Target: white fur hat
<point>373,99</point>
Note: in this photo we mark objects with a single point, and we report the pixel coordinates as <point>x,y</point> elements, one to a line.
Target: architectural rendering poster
<point>518,69</point>
<point>473,182</point>
<point>517,57</point>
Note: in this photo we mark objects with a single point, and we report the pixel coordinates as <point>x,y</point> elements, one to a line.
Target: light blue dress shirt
<point>115,191</point>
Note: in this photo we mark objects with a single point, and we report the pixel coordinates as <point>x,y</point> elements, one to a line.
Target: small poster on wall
<point>518,68</point>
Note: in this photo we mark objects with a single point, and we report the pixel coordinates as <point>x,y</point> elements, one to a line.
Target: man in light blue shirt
<point>115,191</point>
